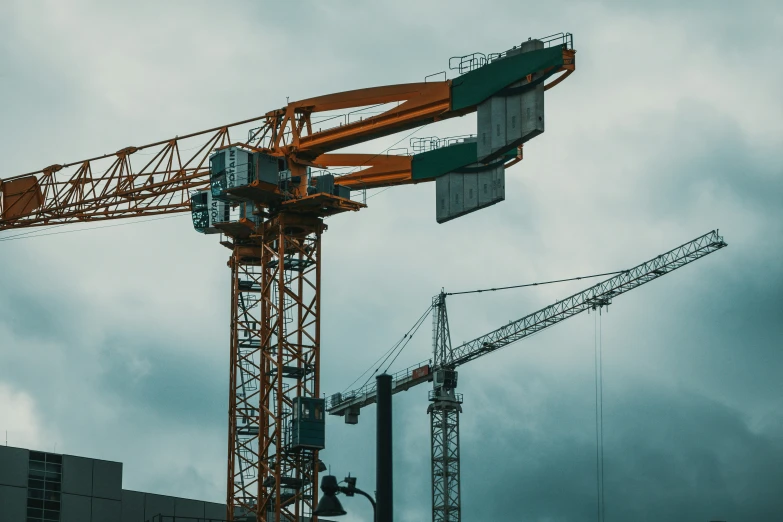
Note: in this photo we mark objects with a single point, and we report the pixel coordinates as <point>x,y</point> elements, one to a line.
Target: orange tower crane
<point>268,197</point>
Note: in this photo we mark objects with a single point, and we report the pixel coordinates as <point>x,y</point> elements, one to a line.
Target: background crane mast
<point>445,407</point>
<point>268,196</point>
<point>444,411</point>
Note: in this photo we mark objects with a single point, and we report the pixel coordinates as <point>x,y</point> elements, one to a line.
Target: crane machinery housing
<point>267,196</point>
<point>446,403</point>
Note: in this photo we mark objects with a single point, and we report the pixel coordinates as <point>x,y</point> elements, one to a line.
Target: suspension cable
<point>369,368</point>
<point>421,321</point>
<point>385,357</point>
<point>534,284</point>
<point>599,417</point>
<point>601,377</point>
<point>597,437</point>
<point>39,232</point>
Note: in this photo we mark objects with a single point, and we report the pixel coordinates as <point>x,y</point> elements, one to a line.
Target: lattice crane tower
<point>268,196</point>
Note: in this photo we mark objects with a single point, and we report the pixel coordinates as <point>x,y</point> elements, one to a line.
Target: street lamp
<point>330,505</point>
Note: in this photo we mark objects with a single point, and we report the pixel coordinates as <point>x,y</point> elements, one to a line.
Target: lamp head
<point>329,504</point>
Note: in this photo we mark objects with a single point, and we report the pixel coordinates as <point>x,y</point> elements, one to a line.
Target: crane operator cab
<point>206,211</point>
<point>237,174</point>
<point>233,169</point>
<point>238,178</point>
<point>308,423</point>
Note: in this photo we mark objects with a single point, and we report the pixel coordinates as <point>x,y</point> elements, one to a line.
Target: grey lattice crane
<point>444,419</point>
<point>446,403</point>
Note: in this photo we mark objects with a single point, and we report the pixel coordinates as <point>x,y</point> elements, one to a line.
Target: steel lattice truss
<point>441,337</point>
<point>595,296</point>
<point>275,265</point>
<point>135,181</point>
<point>445,409</point>
<point>245,391</point>
<point>159,177</point>
<point>274,359</point>
<point>290,337</point>
<point>444,425</point>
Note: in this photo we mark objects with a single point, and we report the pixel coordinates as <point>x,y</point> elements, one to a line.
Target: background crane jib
<point>445,406</point>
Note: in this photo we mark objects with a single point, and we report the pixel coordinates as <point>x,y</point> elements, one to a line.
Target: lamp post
<point>350,489</point>
<point>330,505</point>
<point>383,443</point>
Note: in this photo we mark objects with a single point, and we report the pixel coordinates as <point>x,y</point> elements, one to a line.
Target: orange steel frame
<point>275,289</point>
<point>291,333</point>
<point>274,354</point>
<point>108,186</point>
<point>275,337</point>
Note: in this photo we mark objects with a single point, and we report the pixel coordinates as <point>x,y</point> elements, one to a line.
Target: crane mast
<point>268,195</point>
<point>446,403</point>
<point>444,411</point>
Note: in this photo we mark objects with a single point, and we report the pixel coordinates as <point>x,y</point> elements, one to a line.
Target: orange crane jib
<point>266,184</point>
<point>160,181</point>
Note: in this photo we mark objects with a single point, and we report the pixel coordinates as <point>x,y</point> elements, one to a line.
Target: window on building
<point>43,487</point>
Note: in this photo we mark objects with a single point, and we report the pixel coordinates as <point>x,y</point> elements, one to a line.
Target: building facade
<point>48,487</point>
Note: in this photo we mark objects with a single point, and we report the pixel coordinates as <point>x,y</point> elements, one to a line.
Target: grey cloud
<point>669,454</point>
<point>176,386</point>
<point>138,372</point>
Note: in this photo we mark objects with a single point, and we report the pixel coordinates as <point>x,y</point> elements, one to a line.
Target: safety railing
<point>436,395</point>
<point>436,75</point>
<point>473,61</point>
<point>425,144</point>
<point>566,39</point>
<point>467,63</point>
<point>369,389</point>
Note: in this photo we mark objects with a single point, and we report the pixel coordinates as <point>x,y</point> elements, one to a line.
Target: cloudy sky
<point>113,343</point>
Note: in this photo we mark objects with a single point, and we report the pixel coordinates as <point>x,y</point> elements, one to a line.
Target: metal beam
<point>593,297</point>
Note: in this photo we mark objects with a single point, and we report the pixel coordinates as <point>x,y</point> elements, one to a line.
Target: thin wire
<point>424,317</point>
<point>379,192</point>
<point>33,231</point>
<point>405,338</point>
<point>599,417</point>
<point>597,448</point>
<point>384,151</point>
<point>374,363</point>
<point>17,238</point>
<point>396,345</point>
<point>385,355</point>
<point>601,368</point>
<point>534,284</point>
<point>376,155</point>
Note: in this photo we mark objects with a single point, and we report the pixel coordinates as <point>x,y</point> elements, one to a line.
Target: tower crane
<point>268,195</point>
<point>446,403</point>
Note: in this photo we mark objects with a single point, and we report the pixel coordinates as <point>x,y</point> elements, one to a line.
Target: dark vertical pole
<point>383,480</point>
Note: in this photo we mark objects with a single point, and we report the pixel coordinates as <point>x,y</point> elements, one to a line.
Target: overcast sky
<point>113,343</point>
